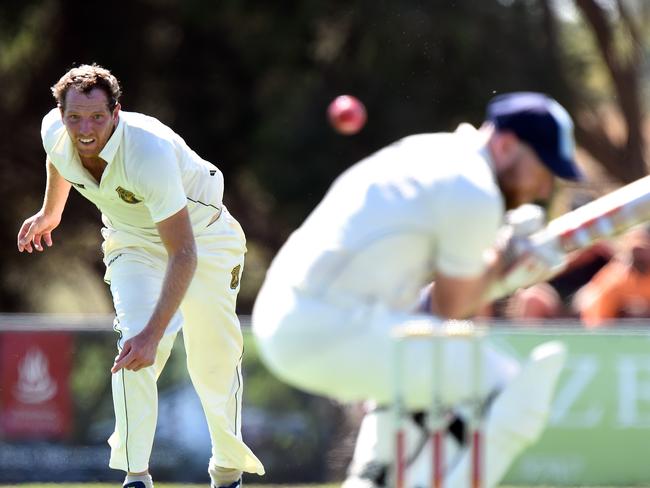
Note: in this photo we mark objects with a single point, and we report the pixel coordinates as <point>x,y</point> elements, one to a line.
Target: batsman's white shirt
<point>353,272</point>
<point>425,204</point>
<point>392,220</point>
<point>151,174</point>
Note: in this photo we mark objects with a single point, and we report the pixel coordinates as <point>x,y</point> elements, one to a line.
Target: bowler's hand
<point>138,352</point>
<point>36,230</point>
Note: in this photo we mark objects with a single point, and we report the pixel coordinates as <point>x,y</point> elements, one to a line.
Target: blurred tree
<point>619,39</point>
<point>418,66</point>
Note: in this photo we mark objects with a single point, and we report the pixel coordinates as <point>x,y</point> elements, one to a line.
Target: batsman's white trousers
<point>514,420</point>
<point>212,337</point>
<point>345,351</point>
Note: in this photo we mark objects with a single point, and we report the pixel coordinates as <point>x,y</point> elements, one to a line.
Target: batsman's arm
<point>460,298</point>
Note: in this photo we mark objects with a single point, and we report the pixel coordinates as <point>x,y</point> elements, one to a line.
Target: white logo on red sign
<point>35,385</point>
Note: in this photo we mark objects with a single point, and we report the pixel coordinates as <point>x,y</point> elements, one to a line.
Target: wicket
<point>439,410</point>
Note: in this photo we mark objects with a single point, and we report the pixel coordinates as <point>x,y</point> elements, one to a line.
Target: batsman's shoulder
<point>475,190</point>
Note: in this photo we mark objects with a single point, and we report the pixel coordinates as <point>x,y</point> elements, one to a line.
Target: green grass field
<point>158,485</point>
<point>173,485</point>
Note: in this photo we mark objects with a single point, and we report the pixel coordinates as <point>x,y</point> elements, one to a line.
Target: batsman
<point>428,207</point>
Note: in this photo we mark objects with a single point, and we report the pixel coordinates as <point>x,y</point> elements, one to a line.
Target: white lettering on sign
<point>579,372</point>
<point>633,390</point>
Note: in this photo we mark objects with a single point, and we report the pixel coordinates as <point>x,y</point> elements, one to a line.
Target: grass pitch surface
<point>205,485</point>
<point>158,485</point>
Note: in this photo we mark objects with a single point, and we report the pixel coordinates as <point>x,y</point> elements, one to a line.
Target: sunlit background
<point>247,84</point>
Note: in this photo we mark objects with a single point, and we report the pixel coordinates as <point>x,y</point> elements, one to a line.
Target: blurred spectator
<point>540,301</point>
<point>622,287</point>
<point>555,298</point>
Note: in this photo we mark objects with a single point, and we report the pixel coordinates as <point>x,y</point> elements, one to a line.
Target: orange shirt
<point>615,291</point>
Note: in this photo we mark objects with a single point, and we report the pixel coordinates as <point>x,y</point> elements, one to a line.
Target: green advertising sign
<point>598,432</point>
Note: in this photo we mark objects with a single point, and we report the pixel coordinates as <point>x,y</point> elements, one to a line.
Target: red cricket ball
<point>347,114</point>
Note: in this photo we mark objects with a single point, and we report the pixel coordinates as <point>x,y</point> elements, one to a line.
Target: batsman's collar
<point>541,122</point>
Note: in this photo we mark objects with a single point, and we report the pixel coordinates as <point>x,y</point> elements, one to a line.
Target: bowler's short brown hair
<point>84,79</point>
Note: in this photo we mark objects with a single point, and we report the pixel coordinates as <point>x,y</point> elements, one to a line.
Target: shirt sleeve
<point>52,129</point>
<point>160,183</point>
<point>469,219</point>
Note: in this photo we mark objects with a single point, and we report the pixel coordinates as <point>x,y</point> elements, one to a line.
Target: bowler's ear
<point>116,112</point>
<point>61,110</point>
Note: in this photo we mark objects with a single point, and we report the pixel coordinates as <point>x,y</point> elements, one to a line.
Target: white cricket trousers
<point>212,337</point>
<point>345,351</point>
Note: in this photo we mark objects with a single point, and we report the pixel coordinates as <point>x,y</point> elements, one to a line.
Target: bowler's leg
<point>214,348</point>
<point>136,287</point>
<point>135,400</point>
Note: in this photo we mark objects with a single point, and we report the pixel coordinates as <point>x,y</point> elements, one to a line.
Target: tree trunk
<point>625,162</point>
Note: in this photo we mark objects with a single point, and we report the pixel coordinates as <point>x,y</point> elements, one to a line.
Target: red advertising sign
<point>35,398</point>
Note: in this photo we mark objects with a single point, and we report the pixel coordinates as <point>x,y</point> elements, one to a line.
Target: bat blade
<point>607,216</point>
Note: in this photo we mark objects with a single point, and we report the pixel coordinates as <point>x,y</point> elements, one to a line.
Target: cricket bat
<point>605,217</point>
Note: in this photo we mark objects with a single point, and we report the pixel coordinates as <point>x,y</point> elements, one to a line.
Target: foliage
<point>90,382</point>
<point>303,436</point>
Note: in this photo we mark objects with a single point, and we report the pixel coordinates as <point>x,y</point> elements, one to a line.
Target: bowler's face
<point>89,121</point>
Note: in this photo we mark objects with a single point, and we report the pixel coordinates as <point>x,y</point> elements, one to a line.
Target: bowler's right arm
<point>39,226</point>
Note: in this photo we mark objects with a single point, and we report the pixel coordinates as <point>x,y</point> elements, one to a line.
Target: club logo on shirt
<point>126,195</point>
<point>234,277</point>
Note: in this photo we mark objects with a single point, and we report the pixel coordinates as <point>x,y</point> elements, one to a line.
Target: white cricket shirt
<point>151,174</point>
<point>426,203</point>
